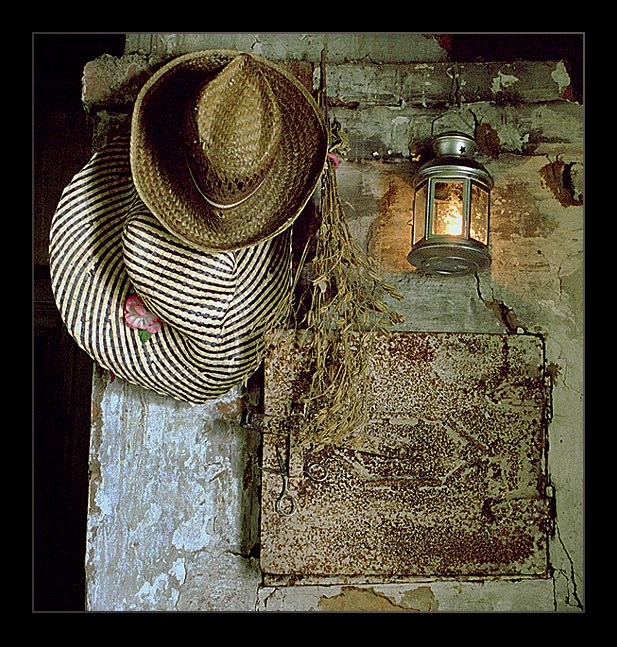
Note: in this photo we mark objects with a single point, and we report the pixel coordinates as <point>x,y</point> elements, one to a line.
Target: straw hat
<point>156,312</point>
<point>226,148</point>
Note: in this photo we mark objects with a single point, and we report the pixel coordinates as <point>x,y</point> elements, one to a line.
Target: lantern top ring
<point>453,143</point>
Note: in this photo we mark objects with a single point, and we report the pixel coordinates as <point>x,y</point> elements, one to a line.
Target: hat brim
<point>91,285</point>
<point>162,177</point>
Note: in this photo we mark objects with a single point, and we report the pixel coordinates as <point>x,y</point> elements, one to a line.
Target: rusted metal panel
<point>448,479</point>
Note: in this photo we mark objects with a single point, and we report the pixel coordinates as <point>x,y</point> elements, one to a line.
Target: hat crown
<point>233,133</point>
<point>226,165</point>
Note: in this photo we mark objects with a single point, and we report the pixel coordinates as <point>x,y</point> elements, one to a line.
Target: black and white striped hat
<point>156,312</point>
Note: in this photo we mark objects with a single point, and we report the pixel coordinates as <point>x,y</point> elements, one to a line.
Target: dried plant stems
<point>347,307</point>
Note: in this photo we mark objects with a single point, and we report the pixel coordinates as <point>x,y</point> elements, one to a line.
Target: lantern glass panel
<point>448,209</point>
<point>478,222</point>
<point>419,213</point>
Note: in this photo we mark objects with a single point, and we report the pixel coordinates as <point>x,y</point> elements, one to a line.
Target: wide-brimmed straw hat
<point>226,148</point>
<point>151,309</point>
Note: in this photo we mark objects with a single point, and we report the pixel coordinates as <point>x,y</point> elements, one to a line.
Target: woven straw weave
<point>233,133</point>
<point>287,128</point>
<point>106,245</point>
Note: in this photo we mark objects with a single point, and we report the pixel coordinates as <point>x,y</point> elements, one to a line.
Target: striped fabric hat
<point>151,309</point>
<point>226,148</point>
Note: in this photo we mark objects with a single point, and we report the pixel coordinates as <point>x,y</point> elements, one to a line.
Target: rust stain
<point>302,70</point>
<point>336,102</point>
<point>487,140</point>
<point>444,40</point>
<point>230,409</point>
<point>553,370</point>
<point>557,176</point>
<point>390,235</point>
<point>353,598</point>
<point>446,479</point>
<point>506,315</point>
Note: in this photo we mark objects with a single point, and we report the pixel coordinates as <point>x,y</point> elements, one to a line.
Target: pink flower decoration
<point>335,159</point>
<point>138,316</point>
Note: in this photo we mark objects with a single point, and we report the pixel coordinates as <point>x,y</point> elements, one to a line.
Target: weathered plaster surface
<point>511,596</point>
<point>173,507</point>
<point>296,46</point>
<point>438,83</point>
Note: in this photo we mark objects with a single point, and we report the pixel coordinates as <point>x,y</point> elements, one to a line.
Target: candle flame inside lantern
<point>448,216</point>
<point>453,223</point>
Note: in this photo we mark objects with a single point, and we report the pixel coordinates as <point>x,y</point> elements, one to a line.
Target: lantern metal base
<point>445,257</point>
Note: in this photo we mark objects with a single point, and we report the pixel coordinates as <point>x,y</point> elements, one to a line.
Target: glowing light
<point>453,224</point>
<point>448,216</point>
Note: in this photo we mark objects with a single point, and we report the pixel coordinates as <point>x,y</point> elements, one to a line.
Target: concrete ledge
<point>115,81</point>
<point>393,133</point>
<point>428,84</point>
<point>388,111</point>
<point>500,596</point>
<point>111,82</point>
<point>376,47</point>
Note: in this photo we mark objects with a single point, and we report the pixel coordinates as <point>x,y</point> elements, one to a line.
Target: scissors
<point>286,503</point>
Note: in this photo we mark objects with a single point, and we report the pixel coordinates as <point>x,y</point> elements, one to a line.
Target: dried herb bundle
<point>347,307</point>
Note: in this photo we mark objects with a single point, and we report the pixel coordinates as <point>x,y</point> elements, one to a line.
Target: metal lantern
<point>451,209</point>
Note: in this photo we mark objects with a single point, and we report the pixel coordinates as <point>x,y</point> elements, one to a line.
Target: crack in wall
<point>265,599</point>
<point>502,312</point>
<point>571,586</point>
<point>509,319</point>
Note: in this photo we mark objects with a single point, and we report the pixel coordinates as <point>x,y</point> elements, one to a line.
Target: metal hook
<point>286,503</point>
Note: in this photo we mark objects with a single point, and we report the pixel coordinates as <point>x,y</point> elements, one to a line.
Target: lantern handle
<point>457,113</point>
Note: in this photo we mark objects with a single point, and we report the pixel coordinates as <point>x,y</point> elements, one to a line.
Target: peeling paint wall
<point>173,503</point>
<point>174,489</point>
<point>457,597</point>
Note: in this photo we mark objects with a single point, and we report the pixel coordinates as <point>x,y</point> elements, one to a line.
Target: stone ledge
<point>395,119</point>
<point>428,84</point>
<point>377,47</point>
<point>389,133</point>
<point>111,81</point>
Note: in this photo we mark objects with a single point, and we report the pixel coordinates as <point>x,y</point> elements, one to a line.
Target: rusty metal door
<point>447,480</point>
